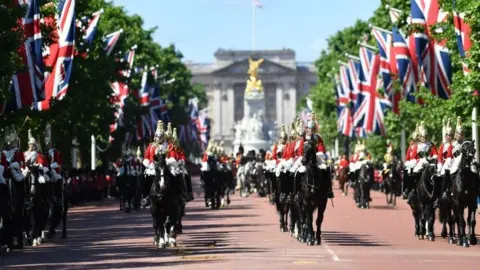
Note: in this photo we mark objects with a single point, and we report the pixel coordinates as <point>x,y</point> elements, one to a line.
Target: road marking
<point>331,252</point>
<point>304,262</point>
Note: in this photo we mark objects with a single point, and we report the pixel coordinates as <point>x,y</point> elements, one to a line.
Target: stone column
<point>217,110</point>
<point>280,108</point>
<point>228,112</point>
<point>291,103</point>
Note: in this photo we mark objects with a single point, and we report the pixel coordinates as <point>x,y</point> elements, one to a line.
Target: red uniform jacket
<point>274,153</point>
<point>205,158</point>
<point>445,151</point>
<point>53,157</point>
<point>149,154</point>
<point>320,145</point>
<point>180,154</point>
<point>291,150</point>
<point>413,152</point>
<point>299,150</point>
<point>343,163</point>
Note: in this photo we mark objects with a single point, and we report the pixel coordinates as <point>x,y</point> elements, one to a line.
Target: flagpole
<point>253,25</point>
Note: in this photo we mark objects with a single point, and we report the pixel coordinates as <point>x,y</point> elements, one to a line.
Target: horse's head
<point>468,150</point>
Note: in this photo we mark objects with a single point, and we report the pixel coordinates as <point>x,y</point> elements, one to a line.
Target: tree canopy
<point>435,109</point>
<point>87,108</point>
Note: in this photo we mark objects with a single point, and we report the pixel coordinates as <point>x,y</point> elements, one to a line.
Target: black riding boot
<point>330,187</point>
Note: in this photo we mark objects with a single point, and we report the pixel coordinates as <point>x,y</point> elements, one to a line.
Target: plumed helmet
<point>449,128</point>
<point>31,139</point>
<point>160,132</point>
<point>312,123</point>
<point>283,133</point>
<point>300,127</point>
<point>422,131</point>
<point>169,131</point>
<point>293,130</point>
<point>459,128</point>
<point>175,136</point>
<point>415,133</point>
<point>139,152</point>
<point>10,136</point>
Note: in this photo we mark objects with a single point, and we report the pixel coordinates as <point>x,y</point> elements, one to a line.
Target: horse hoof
<point>431,238</point>
<point>451,241</point>
<point>443,234</point>
<point>473,240</point>
<point>318,242</point>
<point>310,243</point>
<point>465,245</point>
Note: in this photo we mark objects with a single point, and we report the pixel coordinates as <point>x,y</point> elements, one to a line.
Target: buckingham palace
<point>284,79</point>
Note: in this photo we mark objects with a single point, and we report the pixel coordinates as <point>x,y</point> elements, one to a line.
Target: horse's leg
<point>156,231</point>
<point>472,209</point>
<point>430,218</point>
<point>451,223</point>
<point>281,213</point>
<point>386,194</point>
<point>462,225</point>
<point>309,220</point>
<point>64,218</point>
<point>320,212</point>
<point>394,193</point>
<point>293,219</point>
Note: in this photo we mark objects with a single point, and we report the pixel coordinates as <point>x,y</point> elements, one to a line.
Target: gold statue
<point>254,82</point>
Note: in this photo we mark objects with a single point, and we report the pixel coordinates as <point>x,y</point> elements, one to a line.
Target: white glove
<point>146,163</point>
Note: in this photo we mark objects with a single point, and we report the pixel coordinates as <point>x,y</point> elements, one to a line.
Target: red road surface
<point>245,236</point>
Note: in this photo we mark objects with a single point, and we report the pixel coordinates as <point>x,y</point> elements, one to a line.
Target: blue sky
<point>199,27</point>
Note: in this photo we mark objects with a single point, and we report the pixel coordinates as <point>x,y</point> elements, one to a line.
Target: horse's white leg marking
<point>161,243</point>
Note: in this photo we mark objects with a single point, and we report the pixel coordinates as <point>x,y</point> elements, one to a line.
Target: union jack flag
<point>387,65</point>
<point>354,67</point>
<point>394,14</point>
<point>145,89</point>
<point>462,31</point>
<point>344,112</point>
<point>91,29</point>
<point>158,108</point>
<point>370,109</point>
<point>406,68</point>
<point>62,51</point>
<point>434,57</point>
<point>204,128</point>
<point>27,86</point>
<point>111,40</point>
<point>144,127</point>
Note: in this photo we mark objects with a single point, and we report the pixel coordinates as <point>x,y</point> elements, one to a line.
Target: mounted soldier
<point>410,163</point>
<point>314,137</point>
<point>36,187</point>
<point>149,161</point>
<point>15,172</point>
<point>445,159</point>
<point>426,153</point>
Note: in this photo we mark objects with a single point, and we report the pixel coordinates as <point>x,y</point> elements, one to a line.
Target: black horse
<point>165,205</point>
<point>422,204</point>
<point>39,198</point>
<point>392,179</point>
<point>59,192</point>
<point>465,192</point>
<point>363,186</point>
<point>212,184</point>
<point>314,194</point>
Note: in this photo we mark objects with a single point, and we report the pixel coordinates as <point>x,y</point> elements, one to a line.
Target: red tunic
<point>291,150</point>
<point>445,152</point>
<point>299,151</point>
<point>343,163</point>
<point>320,145</point>
<point>180,154</point>
<point>149,154</point>
<point>413,152</point>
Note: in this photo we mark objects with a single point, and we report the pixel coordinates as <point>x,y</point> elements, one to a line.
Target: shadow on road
<point>350,239</point>
<point>109,239</point>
